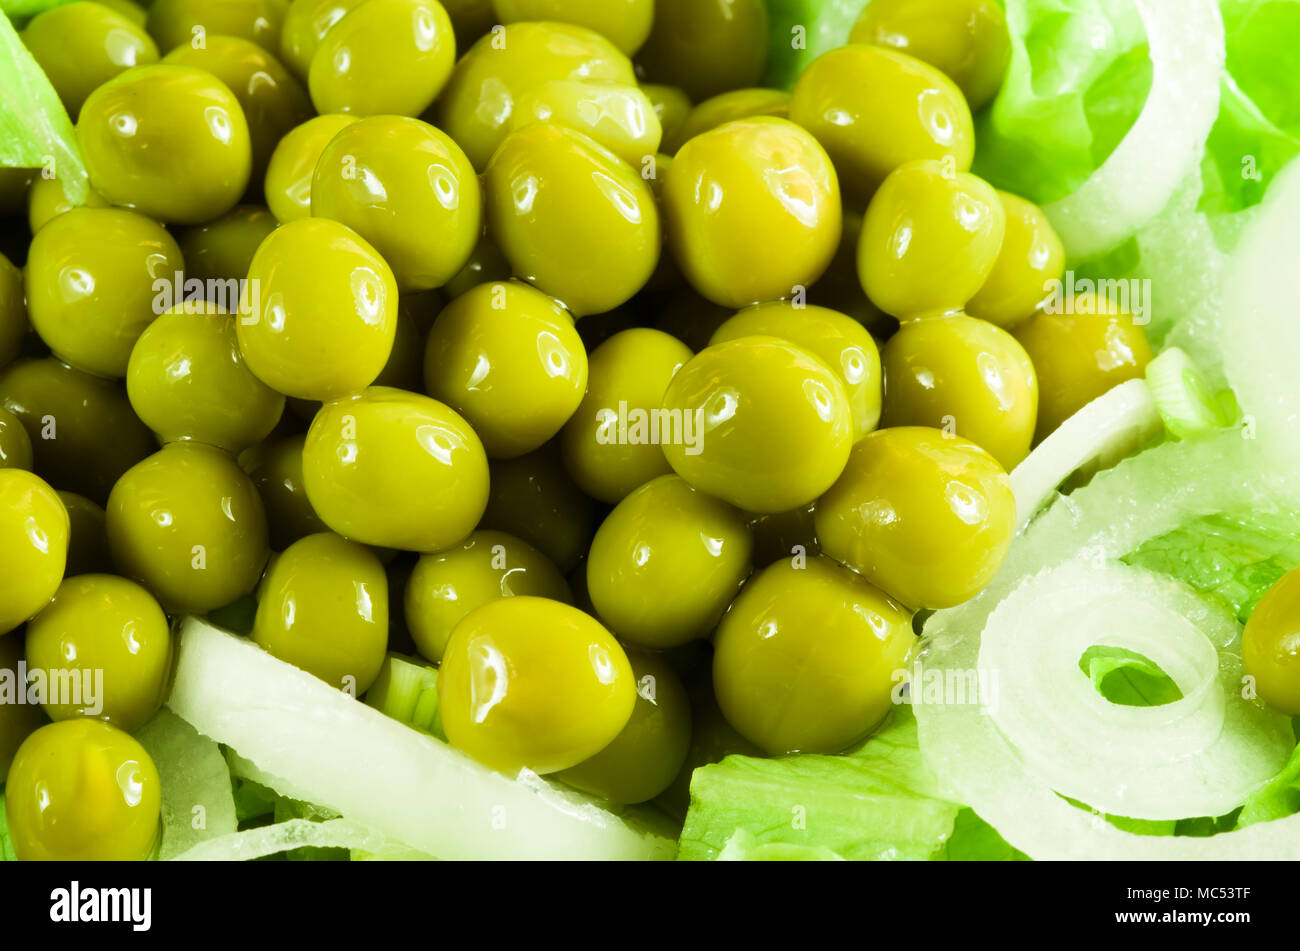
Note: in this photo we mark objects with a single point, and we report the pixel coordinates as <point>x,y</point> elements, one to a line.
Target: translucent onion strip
<point>1186,43</point>
<point>1198,756</point>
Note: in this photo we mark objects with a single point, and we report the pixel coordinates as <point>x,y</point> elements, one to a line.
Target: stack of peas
<point>415,431</point>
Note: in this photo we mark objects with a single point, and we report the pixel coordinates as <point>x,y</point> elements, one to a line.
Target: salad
<point>905,577</point>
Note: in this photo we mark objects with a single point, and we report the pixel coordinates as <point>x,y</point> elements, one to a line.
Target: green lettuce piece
<point>1078,78</point>
<point>876,802</point>
<point>1231,559</point>
<point>825,26</point>
<point>35,131</point>
<point>1280,797</point>
<point>974,840</point>
<point>7,853</point>
<point>1126,677</point>
<point>1258,128</point>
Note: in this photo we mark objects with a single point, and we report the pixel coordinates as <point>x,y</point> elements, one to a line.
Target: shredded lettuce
<point>1231,559</point>
<point>876,802</point>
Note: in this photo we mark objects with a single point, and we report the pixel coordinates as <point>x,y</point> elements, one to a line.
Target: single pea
<point>607,444</point>
<point>531,683</point>
<point>471,19</point>
<point>666,563</point>
<point>409,190</point>
<point>1270,645</point>
<point>758,422</point>
<point>46,199</point>
<point>618,116</point>
<point>874,109</point>
<point>133,11</point>
<point>930,240</point>
<point>305,24</point>
<point>1080,355</point>
<point>175,23</point>
<point>277,473</point>
<point>966,376</point>
<point>33,545</point>
<point>82,791</point>
<point>733,105</point>
<point>625,23</point>
<point>13,312</point>
<point>113,636</point>
<point>646,756</point>
<point>502,66</point>
<point>90,284</point>
<point>323,607</point>
<point>673,107</point>
<point>571,218</point>
<point>752,210</point>
<point>385,57</point>
<point>223,250</point>
<point>319,311</point>
<point>1032,257</point>
<point>805,659</point>
<point>81,46</point>
<point>168,141</point>
<point>292,168</point>
<point>488,565</point>
<point>15,444</point>
<point>707,46</point>
<point>18,719</point>
<point>416,454</point>
<point>187,380</point>
<point>88,552</point>
<point>83,431</point>
<point>534,498</point>
<point>785,536</point>
<point>188,524</point>
<point>966,39</point>
<point>839,341</point>
<point>924,516</point>
<point>486,265</point>
<point>272,99</point>
<point>508,358</point>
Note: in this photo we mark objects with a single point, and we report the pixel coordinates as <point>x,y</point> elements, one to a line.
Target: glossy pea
<point>112,630</point>
<point>34,530</point>
<point>188,524</point>
<point>46,200</point>
<point>770,424</point>
<point>1270,645</point>
<point>805,660</point>
<point>874,109</point>
<point>174,23</point>
<point>618,116</point>
<point>88,537</point>
<point>82,790</point>
<point>707,46</point>
<point>673,107</point>
<point>571,218</point>
<point>15,444</point>
<point>323,607</point>
<point>417,454</point>
<point>528,682</point>
<point>168,141</point>
<point>730,106</point>
<point>319,311</point>
<point>305,24</point>
<point>292,168</point>
<point>752,211</point>
<point>930,240</point>
<point>277,474</point>
<point>91,291</point>
<point>666,563</point>
<point>222,250</point>
<point>625,23</point>
<point>13,312</point>
<point>409,190</point>
<point>924,516</point>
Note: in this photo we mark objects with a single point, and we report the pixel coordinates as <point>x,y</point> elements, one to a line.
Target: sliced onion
<point>1186,43</point>
<point>1109,428</point>
<point>1198,756</point>
<point>292,834</point>
<point>1261,332</point>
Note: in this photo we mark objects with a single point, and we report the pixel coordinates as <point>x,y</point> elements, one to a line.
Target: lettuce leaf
<point>876,802</point>
<point>826,25</point>
<point>7,853</point>
<point>35,131</point>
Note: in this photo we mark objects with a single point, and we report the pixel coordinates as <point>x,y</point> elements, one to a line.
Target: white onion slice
<point>1186,43</point>
<point>1198,756</point>
<point>1109,428</point>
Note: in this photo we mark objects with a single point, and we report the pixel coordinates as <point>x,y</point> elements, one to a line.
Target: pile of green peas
<point>463,238</point>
